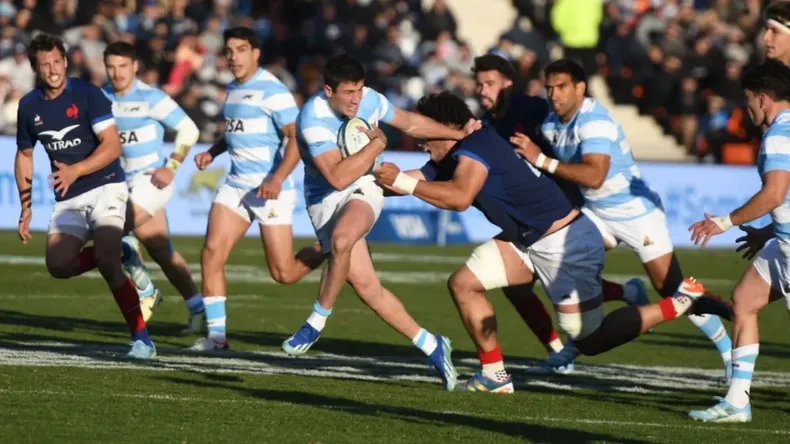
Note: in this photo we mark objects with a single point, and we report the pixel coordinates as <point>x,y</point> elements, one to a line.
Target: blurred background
<point>668,69</point>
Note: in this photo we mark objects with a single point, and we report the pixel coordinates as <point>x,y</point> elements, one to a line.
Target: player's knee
<point>579,326</point>
<point>213,253</point>
<point>458,284</point>
<point>744,303</point>
<point>342,243</point>
<point>281,274</point>
<point>368,287</point>
<point>59,270</point>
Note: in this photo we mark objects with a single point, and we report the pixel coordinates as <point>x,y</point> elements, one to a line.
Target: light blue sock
<point>715,331</point>
<point>215,317</point>
<point>743,359</point>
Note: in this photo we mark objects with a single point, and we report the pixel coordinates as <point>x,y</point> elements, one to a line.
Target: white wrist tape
<point>405,183</point>
<point>547,163</point>
<point>725,223</point>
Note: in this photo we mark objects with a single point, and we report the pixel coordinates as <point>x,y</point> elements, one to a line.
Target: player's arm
<point>338,171</point>
<point>284,112</point>
<point>389,191</point>
<point>772,194</point>
<point>456,194</point>
<point>421,127</point>
<point>173,117</point>
<point>23,161</point>
<point>219,147</point>
<point>590,172</point>
<point>109,148</point>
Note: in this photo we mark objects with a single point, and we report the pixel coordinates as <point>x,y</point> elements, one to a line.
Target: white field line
<point>280,404</point>
<point>258,275</point>
<point>623,378</point>
<point>358,368</point>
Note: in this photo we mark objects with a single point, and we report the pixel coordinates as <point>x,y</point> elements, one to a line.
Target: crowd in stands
<point>677,60</point>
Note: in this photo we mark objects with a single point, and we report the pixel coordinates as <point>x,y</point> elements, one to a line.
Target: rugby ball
<point>350,138</point>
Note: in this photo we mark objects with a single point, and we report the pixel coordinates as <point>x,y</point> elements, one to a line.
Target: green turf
<point>183,401</point>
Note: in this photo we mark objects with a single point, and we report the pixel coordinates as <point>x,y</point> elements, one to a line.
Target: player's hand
<point>471,126</point>
<point>753,242</point>
<point>525,147</point>
<point>161,177</point>
<point>703,230</point>
<point>270,188</point>
<point>24,225</point>
<point>63,177</point>
<point>386,173</point>
<point>203,160</point>
<point>376,133</point>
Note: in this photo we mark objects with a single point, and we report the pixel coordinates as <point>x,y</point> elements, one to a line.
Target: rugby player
<point>73,121</point>
<point>259,118</point>
<point>590,150</point>
<point>142,113</point>
<point>767,89</point>
<point>542,234</point>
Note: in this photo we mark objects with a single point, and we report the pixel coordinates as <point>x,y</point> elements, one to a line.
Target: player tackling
<point>767,89</point>
<point>542,234</point>
<point>343,203</point>
<point>73,120</point>
<point>142,113</point>
<point>259,115</point>
<point>592,152</point>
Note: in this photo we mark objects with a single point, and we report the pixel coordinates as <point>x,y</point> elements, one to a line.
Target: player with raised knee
<point>590,150</point>
<point>509,112</point>
<point>343,203</point>
<point>142,113</point>
<point>767,89</point>
<point>542,235</point>
<point>259,114</point>
<point>73,121</point>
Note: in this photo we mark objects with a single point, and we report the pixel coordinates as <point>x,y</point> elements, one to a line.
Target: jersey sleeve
<point>430,170</point>
<point>99,110</point>
<point>386,108</point>
<point>25,138</point>
<point>318,137</point>
<point>777,153</point>
<point>475,147</point>
<point>165,110</point>
<point>597,136</point>
<point>281,106</point>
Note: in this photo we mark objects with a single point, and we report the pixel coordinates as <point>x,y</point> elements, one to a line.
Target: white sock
<point>495,371</point>
<point>425,341</point>
<point>743,360</point>
<point>555,345</point>
<point>318,317</point>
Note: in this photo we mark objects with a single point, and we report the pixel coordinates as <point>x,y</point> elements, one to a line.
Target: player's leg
<point>363,279</point>
<point>65,256</point>
<point>760,284</point>
<point>649,237</point>
<point>632,292</point>
<point>228,220</point>
<point>106,220</point>
<point>144,200</point>
<point>494,264</point>
<point>532,311</point>
<point>275,217</point>
<point>345,222</point>
<point>154,235</point>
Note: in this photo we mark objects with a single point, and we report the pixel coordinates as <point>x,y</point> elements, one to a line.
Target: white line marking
<point>256,275</point>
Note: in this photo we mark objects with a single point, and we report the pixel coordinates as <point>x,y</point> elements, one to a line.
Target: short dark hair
<point>121,49</point>
<point>445,108</point>
<point>493,62</point>
<point>772,78</point>
<point>242,33</point>
<point>779,11</point>
<point>343,68</point>
<point>44,43</point>
<point>566,66</point>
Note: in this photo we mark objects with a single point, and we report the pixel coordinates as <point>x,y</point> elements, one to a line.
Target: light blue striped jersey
<point>255,113</point>
<point>624,195</point>
<point>316,133</point>
<point>142,115</point>
<point>775,155</point>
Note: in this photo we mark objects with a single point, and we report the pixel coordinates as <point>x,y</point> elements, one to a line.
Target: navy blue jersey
<point>525,114</point>
<point>67,127</point>
<point>516,197</point>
